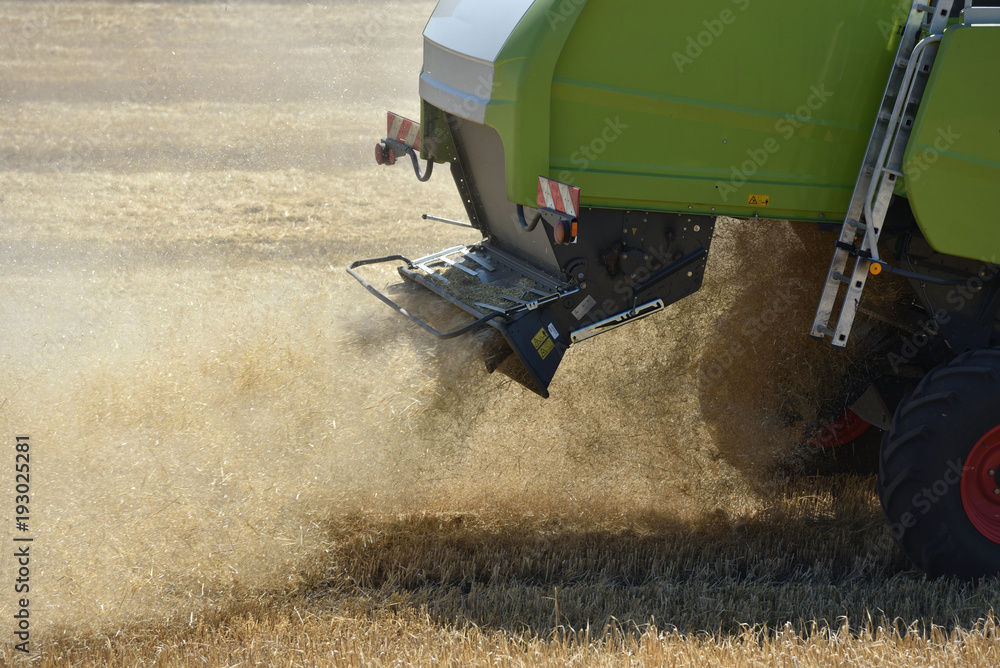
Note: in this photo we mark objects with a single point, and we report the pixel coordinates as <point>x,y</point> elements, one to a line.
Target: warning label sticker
<point>759,200</point>
<point>539,338</point>
<point>543,343</point>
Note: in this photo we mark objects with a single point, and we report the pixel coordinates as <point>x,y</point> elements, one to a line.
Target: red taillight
<point>384,155</point>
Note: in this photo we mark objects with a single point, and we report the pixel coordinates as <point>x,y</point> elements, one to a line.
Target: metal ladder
<point>882,167</point>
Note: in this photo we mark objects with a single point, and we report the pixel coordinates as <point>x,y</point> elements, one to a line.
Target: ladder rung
<point>826,331</point>
<point>883,161</point>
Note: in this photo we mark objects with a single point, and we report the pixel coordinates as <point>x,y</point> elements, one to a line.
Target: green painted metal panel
<point>695,106</point>
<point>721,105</point>
<point>952,163</point>
<point>520,107</point>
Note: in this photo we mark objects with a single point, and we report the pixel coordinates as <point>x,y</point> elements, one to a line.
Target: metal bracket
<point>399,309</point>
<point>871,408</point>
<point>528,227</point>
<point>389,149</point>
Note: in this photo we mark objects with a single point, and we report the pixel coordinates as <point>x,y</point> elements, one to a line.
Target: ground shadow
<point>803,560</point>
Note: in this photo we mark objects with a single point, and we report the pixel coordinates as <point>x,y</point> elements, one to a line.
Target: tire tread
<point>939,422</point>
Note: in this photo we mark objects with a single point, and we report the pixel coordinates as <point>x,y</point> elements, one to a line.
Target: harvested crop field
<point>239,457</point>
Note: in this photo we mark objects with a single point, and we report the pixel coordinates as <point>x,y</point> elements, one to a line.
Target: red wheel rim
<point>981,486</point>
<point>848,427</point>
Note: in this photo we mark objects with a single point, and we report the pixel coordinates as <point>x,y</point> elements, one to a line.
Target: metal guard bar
<point>925,278</point>
<point>426,176</point>
<point>399,309</point>
<point>523,222</point>
<point>529,227</point>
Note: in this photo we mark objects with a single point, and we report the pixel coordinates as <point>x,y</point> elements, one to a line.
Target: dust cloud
<point>203,384</point>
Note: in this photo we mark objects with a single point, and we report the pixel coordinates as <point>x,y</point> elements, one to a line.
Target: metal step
<point>486,279</point>
<point>880,171</point>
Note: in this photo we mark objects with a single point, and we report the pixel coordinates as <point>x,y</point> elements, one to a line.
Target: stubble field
<point>240,457</point>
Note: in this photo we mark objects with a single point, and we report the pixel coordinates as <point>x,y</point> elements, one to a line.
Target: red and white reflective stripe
<point>404,130</point>
<point>558,196</point>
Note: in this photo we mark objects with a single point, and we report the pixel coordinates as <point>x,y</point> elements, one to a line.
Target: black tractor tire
<point>943,442</point>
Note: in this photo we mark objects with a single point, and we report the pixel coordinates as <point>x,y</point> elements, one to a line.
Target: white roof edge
<point>476,28</point>
<point>972,16</point>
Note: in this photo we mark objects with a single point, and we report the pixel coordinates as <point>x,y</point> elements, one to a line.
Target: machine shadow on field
<point>820,553</point>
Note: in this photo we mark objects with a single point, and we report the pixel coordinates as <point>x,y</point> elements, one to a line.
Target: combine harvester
<point>595,142</point>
